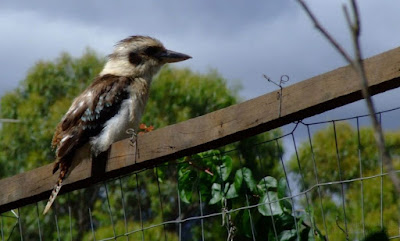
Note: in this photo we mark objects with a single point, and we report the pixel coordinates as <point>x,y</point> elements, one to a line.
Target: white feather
<point>65,138</point>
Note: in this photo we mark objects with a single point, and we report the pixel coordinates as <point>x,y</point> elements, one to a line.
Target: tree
<point>39,102</point>
<point>327,160</point>
<point>45,95</point>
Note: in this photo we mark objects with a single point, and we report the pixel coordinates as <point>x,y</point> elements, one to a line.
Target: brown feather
<point>73,123</point>
<point>63,174</point>
<point>77,126</point>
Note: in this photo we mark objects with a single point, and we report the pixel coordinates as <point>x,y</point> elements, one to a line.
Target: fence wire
<point>336,186</point>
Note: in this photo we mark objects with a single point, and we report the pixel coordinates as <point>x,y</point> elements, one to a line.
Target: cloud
<point>241,40</point>
<point>25,44</point>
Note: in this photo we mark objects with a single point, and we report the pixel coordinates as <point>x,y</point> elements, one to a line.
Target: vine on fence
<point>227,187</point>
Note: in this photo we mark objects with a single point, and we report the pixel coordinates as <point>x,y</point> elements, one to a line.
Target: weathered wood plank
<point>301,100</point>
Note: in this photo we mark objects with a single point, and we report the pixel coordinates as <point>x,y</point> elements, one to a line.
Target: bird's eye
<point>134,58</point>
<point>152,50</point>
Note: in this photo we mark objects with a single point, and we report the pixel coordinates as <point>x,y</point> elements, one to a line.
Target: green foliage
<point>39,102</point>
<point>350,149</point>
<point>180,94</point>
<point>226,188</point>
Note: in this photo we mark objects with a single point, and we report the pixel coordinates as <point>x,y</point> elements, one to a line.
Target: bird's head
<point>140,56</point>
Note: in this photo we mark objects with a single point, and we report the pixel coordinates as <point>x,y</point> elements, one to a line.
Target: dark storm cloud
<point>43,29</point>
<point>241,40</point>
<point>218,17</point>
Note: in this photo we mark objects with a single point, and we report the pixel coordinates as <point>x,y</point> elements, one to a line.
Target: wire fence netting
<point>306,181</point>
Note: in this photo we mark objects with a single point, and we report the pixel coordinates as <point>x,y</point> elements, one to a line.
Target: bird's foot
<point>144,128</point>
<point>133,134</point>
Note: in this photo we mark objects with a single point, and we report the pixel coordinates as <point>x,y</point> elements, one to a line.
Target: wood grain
<point>301,100</point>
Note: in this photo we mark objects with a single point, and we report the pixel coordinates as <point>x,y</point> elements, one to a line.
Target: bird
<point>112,104</point>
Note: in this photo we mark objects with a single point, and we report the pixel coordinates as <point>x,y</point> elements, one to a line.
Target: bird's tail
<point>56,189</point>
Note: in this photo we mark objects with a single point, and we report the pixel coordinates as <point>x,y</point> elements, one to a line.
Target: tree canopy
<point>338,151</point>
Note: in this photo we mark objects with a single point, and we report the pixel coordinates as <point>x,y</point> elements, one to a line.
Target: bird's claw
<point>133,134</point>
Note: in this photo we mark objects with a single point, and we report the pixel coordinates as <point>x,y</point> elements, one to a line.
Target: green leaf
<point>286,205</point>
<point>216,193</point>
<point>282,188</point>
<point>204,190</point>
<point>185,195</point>
<point>271,235</point>
<point>238,180</point>
<point>242,221</point>
<point>160,174</point>
<point>232,192</point>
<point>285,221</point>
<point>267,183</point>
<point>248,178</point>
<point>185,184</point>
<point>215,153</point>
<point>225,169</point>
<point>270,209</point>
<point>226,187</point>
<point>287,235</point>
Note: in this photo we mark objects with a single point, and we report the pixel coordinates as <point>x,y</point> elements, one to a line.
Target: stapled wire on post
<point>284,79</point>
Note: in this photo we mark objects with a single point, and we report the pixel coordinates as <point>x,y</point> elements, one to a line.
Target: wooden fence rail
<point>304,99</point>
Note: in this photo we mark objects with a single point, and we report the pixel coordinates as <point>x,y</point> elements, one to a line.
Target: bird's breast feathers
<point>102,113</point>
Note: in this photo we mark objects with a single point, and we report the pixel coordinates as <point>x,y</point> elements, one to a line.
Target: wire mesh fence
<point>319,181</point>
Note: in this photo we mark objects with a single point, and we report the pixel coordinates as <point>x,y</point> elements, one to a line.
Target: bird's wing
<point>84,119</point>
<point>88,113</point>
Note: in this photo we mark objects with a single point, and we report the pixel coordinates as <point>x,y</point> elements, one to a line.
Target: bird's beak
<point>169,56</point>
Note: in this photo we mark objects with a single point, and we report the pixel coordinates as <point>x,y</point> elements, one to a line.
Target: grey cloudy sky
<point>241,39</point>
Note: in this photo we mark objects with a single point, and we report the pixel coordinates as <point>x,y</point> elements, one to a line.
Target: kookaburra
<point>112,104</point>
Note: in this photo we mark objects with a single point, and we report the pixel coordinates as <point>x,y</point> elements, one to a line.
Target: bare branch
<point>356,24</point>
<point>325,32</point>
<point>347,15</point>
<point>358,65</point>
